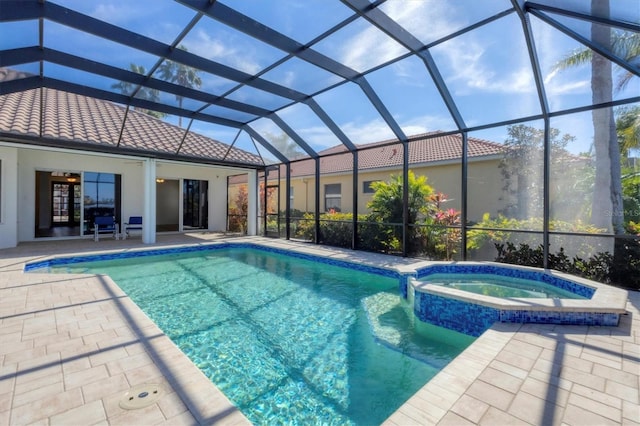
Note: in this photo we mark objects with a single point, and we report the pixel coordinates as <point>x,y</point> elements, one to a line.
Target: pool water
<point>499,286</point>
<point>288,340</point>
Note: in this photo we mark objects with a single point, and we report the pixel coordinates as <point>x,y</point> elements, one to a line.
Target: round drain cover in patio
<point>140,396</point>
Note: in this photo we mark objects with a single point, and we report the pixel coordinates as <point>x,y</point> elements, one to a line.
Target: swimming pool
<point>287,339</point>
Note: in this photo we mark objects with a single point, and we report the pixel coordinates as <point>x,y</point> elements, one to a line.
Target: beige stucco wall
<point>8,197</point>
<point>31,160</point>
<point>19,166</point>
<point>217,178</point>
<point>484,187</point>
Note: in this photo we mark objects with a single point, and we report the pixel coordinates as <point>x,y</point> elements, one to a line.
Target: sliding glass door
<point>195,206</point>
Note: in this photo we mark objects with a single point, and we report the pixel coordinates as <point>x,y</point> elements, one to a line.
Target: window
<point>333,197</point>
<point>366,186</point>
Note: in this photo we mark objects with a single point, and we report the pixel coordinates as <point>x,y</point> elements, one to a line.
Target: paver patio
<point>71,346</point>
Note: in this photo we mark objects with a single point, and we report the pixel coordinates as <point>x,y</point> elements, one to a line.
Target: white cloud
<point>289,79</point>
<point>426,123</point>
<point>562,88</point>
<point>371,47</point>
<point>372,131</point>
<point>469,61</point>
<point>368,48</point>
<point>319,137</point>
<point>224,52</point>
<point>112,13</point>
<point>412,15</point>
<point>376,130</point>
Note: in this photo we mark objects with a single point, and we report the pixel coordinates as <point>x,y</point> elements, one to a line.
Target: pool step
<point>394,325</point>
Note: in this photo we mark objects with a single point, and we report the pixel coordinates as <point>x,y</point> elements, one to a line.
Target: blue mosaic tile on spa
<point>541,276</point>
<point>467,318</point>
<point>567,318</point>
<point>404,282</point>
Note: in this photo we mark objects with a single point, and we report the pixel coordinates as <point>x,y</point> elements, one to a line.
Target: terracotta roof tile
<point>93,121</point>
<point>87,120</point>
<point>423,149</point>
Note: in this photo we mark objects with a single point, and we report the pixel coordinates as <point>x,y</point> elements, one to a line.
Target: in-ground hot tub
<point>441,296</point>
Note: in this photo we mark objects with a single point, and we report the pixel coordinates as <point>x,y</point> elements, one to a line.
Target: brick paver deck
<point>71,347</point>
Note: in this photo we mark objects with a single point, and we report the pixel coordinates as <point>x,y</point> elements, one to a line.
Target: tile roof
<point>89,121</point>
<point>85,120</point>
<point>423,149</point>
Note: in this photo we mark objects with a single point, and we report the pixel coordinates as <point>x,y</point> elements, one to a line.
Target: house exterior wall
<point>483,197</point>
<point>8,197</point>
<point>31,160</point>
<point>18,183</point>
<point>217,179</point>
<point>484,190</point>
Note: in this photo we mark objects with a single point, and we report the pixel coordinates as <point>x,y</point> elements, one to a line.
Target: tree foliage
<point>180,74</point>
<point>625,44</point>
<point>522,174</point>
<point>387,201</point>
<point>146,93</point>
<point>238,210</point>
<point>607,208</point>
<point>628,128</point>
<point>285,145</point>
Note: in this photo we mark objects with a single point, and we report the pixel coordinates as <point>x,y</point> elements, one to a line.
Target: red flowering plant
<point>447,226</point>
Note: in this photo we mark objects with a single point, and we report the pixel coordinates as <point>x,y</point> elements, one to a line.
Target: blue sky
<point>487,70</point>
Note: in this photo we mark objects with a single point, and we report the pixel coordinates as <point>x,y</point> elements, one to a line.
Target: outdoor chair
<point>105,225</point>
<point>134,224</point>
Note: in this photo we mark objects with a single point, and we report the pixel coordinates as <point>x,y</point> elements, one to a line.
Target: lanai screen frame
<point>369,11</point>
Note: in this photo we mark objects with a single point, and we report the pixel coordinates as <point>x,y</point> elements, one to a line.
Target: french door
<point>65,204</point>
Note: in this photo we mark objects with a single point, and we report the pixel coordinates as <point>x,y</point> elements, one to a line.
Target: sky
<point>487,71</point>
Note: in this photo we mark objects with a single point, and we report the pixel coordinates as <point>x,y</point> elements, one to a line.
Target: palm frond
<point>577,57</point>
<point>623,80</point>
<point>627,46</point>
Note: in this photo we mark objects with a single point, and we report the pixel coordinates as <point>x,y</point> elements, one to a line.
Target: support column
<point>252,202</point>
<point>149,220</point>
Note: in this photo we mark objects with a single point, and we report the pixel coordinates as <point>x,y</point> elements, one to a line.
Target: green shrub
<point>500,229</point>
<point>601,267</point>
<point>336,229</point>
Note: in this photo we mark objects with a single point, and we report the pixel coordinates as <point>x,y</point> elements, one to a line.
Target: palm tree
<point>628,128</point>
<point>607,197</point>
<point>146,93</point>
<point>180,74</point>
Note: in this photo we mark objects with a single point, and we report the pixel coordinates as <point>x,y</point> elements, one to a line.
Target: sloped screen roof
<point>257,82</point>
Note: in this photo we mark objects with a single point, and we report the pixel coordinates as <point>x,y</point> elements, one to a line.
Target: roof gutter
<point>37,143</point>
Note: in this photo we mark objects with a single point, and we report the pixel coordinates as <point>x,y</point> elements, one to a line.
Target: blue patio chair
<point>134,224</point>
<point>105,225</point>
